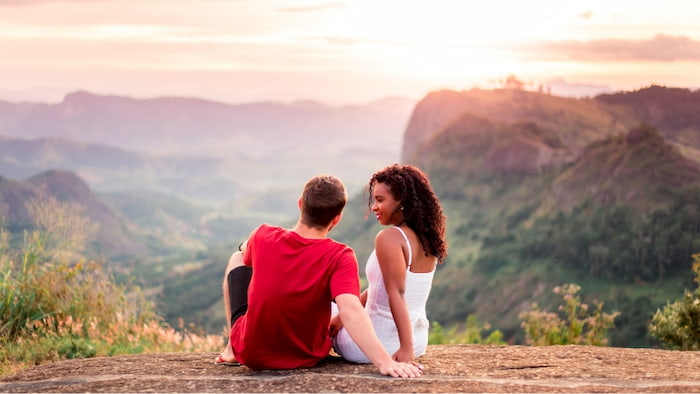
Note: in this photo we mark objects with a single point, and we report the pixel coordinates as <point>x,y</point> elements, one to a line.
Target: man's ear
<point>336,220</point>
<point>299,202</point>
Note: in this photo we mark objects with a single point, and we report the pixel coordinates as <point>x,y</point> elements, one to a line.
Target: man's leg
<point>235,290</point>
<point>236,260</point>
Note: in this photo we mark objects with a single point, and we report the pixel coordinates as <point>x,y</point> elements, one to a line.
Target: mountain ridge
<point>210,152</point>
<point>617,170</point>
<point>578,121</point>
<point>181,124</point>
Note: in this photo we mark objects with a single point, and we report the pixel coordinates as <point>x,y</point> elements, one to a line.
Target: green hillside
<point>622,220</point>
<point>529,208</point>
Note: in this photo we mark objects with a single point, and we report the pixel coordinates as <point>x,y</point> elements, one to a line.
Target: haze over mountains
<point>207,151</point>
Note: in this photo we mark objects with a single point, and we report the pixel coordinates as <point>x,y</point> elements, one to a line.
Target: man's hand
<point>335,326</point>
<point>402,370</point>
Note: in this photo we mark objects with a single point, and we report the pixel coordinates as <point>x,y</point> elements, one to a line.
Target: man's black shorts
<point>238,281</point>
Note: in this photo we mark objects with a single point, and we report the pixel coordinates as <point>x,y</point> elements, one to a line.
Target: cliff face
<point>471,145</point>
<point>434,111</point>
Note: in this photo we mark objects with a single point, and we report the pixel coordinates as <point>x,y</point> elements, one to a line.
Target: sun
<point>440,40</point>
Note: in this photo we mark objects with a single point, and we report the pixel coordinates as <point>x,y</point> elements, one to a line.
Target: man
<point>279,287</point>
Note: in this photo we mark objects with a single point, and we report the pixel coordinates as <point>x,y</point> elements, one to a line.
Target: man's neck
<point>310,232</point>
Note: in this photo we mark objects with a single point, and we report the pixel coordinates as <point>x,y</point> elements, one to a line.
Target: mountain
<point>13,195</point>
<point>676,111</point>
<point>209,152</point>
<point>115,237</point>
<point>577,122</point>
<point>638,169</point>
<point>540,191</point>
<point>107,168</point>
<point>173,125</point>
<point>470,143</point>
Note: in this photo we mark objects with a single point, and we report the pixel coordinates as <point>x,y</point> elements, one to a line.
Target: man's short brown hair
<point>323,199</point>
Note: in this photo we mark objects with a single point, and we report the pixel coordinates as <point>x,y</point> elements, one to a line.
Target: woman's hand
<point>402,370</point>
<point>335,326</point>
<point>404,355</point>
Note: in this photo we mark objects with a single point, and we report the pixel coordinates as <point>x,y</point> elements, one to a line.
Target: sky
<point>341,52</point>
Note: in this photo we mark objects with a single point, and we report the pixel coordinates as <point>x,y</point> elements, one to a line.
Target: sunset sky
<point>341,52</point>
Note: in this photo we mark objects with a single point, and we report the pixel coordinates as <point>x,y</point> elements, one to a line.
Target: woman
<point>400,269</point>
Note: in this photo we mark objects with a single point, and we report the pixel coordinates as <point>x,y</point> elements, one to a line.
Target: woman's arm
<point>389,246</point>
<point>361,331</point>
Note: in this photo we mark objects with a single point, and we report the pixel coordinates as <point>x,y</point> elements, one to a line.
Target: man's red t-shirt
<point>289,298</point>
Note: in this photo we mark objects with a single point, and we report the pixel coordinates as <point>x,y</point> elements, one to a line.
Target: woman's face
<point>384,206</point>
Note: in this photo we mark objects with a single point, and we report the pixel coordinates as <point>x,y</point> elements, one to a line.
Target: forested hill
<point>55,199</point>
<point>675,112</point>
<point>577,122</point>
<point>541,190</point>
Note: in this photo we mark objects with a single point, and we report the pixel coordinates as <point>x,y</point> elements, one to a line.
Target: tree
<point>513,83</point>
<point>677,325</point>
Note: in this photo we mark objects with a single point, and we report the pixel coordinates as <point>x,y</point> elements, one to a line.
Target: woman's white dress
<point>377,306</point>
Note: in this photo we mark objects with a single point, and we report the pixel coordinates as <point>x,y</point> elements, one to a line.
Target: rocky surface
<point>448,368</point>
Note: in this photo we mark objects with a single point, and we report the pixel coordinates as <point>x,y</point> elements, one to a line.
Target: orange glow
<point>338,52</point>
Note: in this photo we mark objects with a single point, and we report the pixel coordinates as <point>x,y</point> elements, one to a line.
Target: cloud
<point>586,15</point>
<point>312,8</point>
<point>20,3</point>
<point>661,47</point>
<point>349,41</point>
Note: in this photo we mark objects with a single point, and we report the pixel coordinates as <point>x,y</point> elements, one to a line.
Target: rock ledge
<point>448,368</point>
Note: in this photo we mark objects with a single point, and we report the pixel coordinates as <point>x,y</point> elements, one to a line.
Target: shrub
<point>472,333</point>
<point>575,325</point>
<point>55,304</point>
<point>677,325</point>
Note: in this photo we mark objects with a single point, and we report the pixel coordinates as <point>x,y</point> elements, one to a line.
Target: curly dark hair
<point>422,211</point>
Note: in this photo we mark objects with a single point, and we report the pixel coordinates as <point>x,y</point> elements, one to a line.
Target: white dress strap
<point>410,251</point>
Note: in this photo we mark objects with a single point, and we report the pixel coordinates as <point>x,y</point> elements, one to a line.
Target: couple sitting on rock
<point>291,294</point>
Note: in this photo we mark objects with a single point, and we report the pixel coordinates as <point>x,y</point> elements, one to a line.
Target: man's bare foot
<point>220,360</point>
<point>227,357</point>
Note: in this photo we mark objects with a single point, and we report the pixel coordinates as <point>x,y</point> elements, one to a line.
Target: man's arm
<point>336,324</point>
<point>357,323</point>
